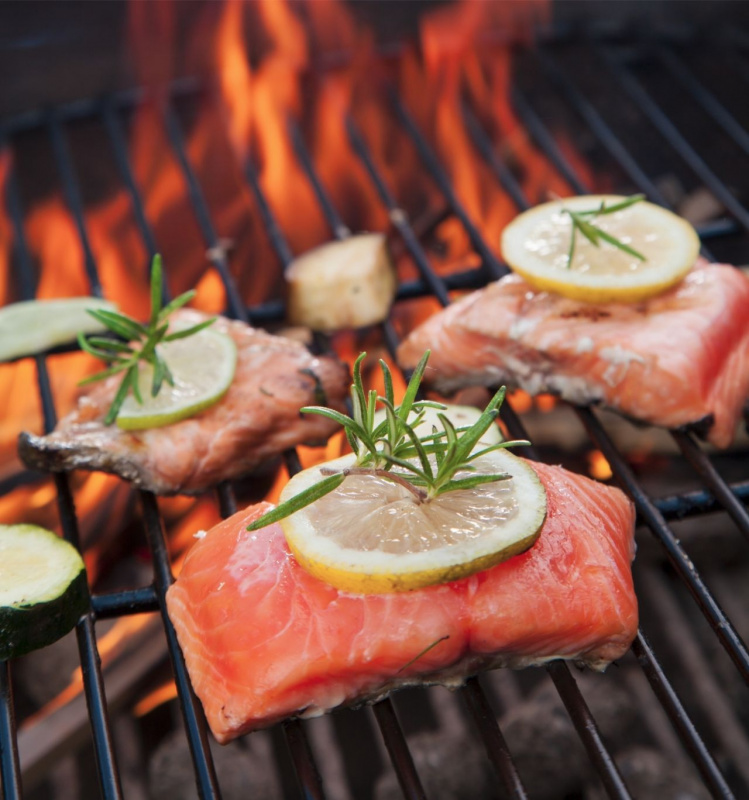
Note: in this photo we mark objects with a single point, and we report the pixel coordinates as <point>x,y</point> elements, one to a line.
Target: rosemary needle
<point>141,343</point>
<point>584,223</point>
<point>426,465</point>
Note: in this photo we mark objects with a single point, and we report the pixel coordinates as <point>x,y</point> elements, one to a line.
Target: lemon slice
<point>38,325</point>
<point>460,416</point>
<point>202,366</point>
<point>372,536</point>
<point>536,244</point>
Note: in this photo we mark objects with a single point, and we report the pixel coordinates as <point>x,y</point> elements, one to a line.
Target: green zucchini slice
<point>43,588</point>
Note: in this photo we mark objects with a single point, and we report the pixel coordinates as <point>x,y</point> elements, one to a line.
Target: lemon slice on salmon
<point>373,536</point>
<point>536,244</point>
<point>202,367</point>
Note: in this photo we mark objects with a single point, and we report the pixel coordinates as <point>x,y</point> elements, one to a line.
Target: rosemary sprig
<point>425,465</point>
<point>141,343</point>
<point>584,222</point>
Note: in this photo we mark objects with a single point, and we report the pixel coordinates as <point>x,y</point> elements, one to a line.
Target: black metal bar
<point>681,562</point>
<point>216,254</point>
<point>337,225</point>
<point>397,215</point>
<point>713,480</point>
<point>496,746</point>
<point>109,780</point>
<point>10,770</point>
<point>270,223</point>
<point>120,150</point>
<point>131,601</point>
<point>495,267</point>
<point>673,136</point>
<point>699,502</point>
<point>73,198</point>
<point>501,171</point>
<point>192,712</point>
<point>600,127</point>
<point>88,107</point>
<point>397,748</point>
<point>543,138</point>
<point>672,705</point>
<point>722,116</point>
<point>308,776</point>
<point>587,730</point>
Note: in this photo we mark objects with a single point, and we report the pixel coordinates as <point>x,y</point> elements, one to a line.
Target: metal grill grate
<point>653,513</point>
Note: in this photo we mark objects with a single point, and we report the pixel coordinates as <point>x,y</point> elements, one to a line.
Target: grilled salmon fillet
<point>681,358</point>
<point>257,419</point>
<point>264,640</point>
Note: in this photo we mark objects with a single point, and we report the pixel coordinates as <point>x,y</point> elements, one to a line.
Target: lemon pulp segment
<point>373,536</point>
<point>536,245</point>
<point>202,366</point>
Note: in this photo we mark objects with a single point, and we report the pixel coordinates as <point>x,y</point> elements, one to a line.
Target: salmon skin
<point>678,359</point>
<point>264,640</point>
<point>257,419</point>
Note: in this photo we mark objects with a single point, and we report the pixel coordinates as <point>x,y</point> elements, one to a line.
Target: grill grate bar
<point>10,770</point>
<point>477,702</point>
<point>587,729</point>
<point>204,770</point>
<point>673,136</point>
<point>543,138</point>
<point>72,192</point>
<point>496,746</point>
<point>397,748</point>
<point>605,135</point>
<point>681,562</point>
<point>397,215</point>
<point>698,502</point>
<point>86,638</point>
<point>307,772</point>
<point>712,479</point>
<point>134,601</point>
<point>338,227</point>
<point>122,158</point>
<point>516,428</point>
<point>215,253</point>
<point>720,114</point>
<point>192,713</point>
<point>494,266</point>
<point>679,718</point>
<point>693,453</point>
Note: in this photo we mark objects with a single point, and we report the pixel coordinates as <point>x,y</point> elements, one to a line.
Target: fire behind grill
<point>627,65</point>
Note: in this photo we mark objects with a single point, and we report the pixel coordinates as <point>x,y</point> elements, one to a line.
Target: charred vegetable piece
<point>345,284</point>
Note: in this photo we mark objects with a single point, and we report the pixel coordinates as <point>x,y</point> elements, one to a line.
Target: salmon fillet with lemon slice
<point>265,640</point>
<point>680,358</point>
<point>257,419</point>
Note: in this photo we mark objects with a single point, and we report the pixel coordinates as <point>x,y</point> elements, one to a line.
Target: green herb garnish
<point>426,465</point>
<point>583,221</point>
<point>142,343</point>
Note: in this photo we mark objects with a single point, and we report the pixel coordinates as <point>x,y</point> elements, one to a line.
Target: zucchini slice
<point>43,588</point>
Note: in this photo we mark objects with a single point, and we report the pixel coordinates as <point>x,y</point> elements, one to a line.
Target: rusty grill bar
<point>653,513</point>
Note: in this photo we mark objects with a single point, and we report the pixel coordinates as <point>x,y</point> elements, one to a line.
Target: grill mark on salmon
<point>678,359</point>
<point>264,640</point>
<point>256,420</point>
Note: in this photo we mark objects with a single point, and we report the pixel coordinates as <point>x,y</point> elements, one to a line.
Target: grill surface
<point>626,63</point>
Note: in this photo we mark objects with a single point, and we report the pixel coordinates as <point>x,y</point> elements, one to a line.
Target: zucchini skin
<point>27,628</point>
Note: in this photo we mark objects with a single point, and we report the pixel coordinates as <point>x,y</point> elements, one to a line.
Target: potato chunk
<point>342,284</point>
